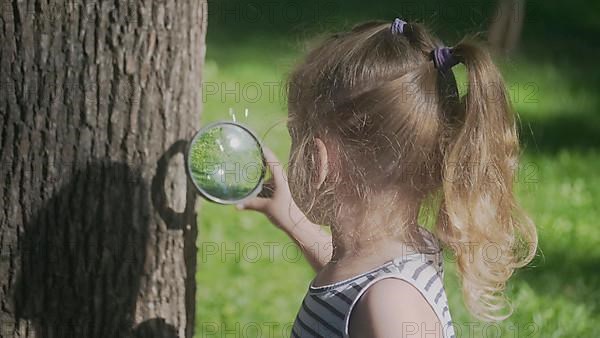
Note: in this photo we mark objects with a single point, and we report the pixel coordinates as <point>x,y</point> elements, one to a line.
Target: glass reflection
<point>225,162</point>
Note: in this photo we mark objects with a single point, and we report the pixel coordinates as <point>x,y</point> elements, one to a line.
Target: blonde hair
<point>398,122</point>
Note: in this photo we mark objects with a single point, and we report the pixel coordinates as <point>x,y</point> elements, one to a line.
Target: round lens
<point>225,162</point>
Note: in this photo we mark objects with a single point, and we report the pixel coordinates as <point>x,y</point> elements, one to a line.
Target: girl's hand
<point>282,211</point>
<point>279,207</point>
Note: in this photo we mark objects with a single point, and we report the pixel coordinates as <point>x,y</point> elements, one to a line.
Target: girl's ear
<point>322,161</point>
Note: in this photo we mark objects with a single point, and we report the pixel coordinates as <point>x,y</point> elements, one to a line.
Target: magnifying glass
<point>226,163</point>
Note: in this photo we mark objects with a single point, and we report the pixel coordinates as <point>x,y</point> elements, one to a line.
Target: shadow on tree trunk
<point>83,257</point>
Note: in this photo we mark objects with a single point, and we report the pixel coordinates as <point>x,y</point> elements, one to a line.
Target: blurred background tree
<point>507,24</point>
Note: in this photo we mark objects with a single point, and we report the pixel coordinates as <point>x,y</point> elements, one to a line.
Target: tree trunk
<point>97,221</point>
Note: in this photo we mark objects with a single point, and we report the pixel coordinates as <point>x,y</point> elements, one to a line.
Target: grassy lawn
<point>251,278</point>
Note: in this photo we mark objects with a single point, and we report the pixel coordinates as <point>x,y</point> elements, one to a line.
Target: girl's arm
<point>314,242</point>
<point>283,212</point>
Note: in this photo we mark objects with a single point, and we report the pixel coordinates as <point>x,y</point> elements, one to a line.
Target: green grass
<point>250,276</point>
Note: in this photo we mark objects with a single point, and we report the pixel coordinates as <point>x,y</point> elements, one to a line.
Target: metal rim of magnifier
<point>188,168</point>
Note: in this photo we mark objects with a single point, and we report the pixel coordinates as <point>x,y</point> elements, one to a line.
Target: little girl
<point>381,140</point>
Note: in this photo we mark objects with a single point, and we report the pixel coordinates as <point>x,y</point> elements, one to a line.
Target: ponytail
<point>480,219</point>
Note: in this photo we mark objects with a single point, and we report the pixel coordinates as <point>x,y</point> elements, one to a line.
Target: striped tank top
<point>325,310</point>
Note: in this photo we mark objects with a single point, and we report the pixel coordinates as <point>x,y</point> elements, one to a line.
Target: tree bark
<point>97,220</point>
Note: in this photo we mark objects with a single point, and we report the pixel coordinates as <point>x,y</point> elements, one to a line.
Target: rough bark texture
<point>97,223</point>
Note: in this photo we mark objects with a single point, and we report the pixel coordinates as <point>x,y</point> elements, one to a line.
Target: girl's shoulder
<point>393,307</point>
<point>415,276</point>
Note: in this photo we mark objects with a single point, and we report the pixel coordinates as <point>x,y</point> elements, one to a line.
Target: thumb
<point>275,167</point>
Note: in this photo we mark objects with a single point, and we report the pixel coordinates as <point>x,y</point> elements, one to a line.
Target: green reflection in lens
<point>226,162</point>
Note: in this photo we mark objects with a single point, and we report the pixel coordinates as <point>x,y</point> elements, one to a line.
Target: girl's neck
<point>385,232</point>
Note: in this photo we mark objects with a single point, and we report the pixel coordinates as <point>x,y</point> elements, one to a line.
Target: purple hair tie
<point>443,59</point>
<point>398,26</point>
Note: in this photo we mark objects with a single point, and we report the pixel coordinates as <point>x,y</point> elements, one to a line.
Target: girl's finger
<point>257,204</point>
